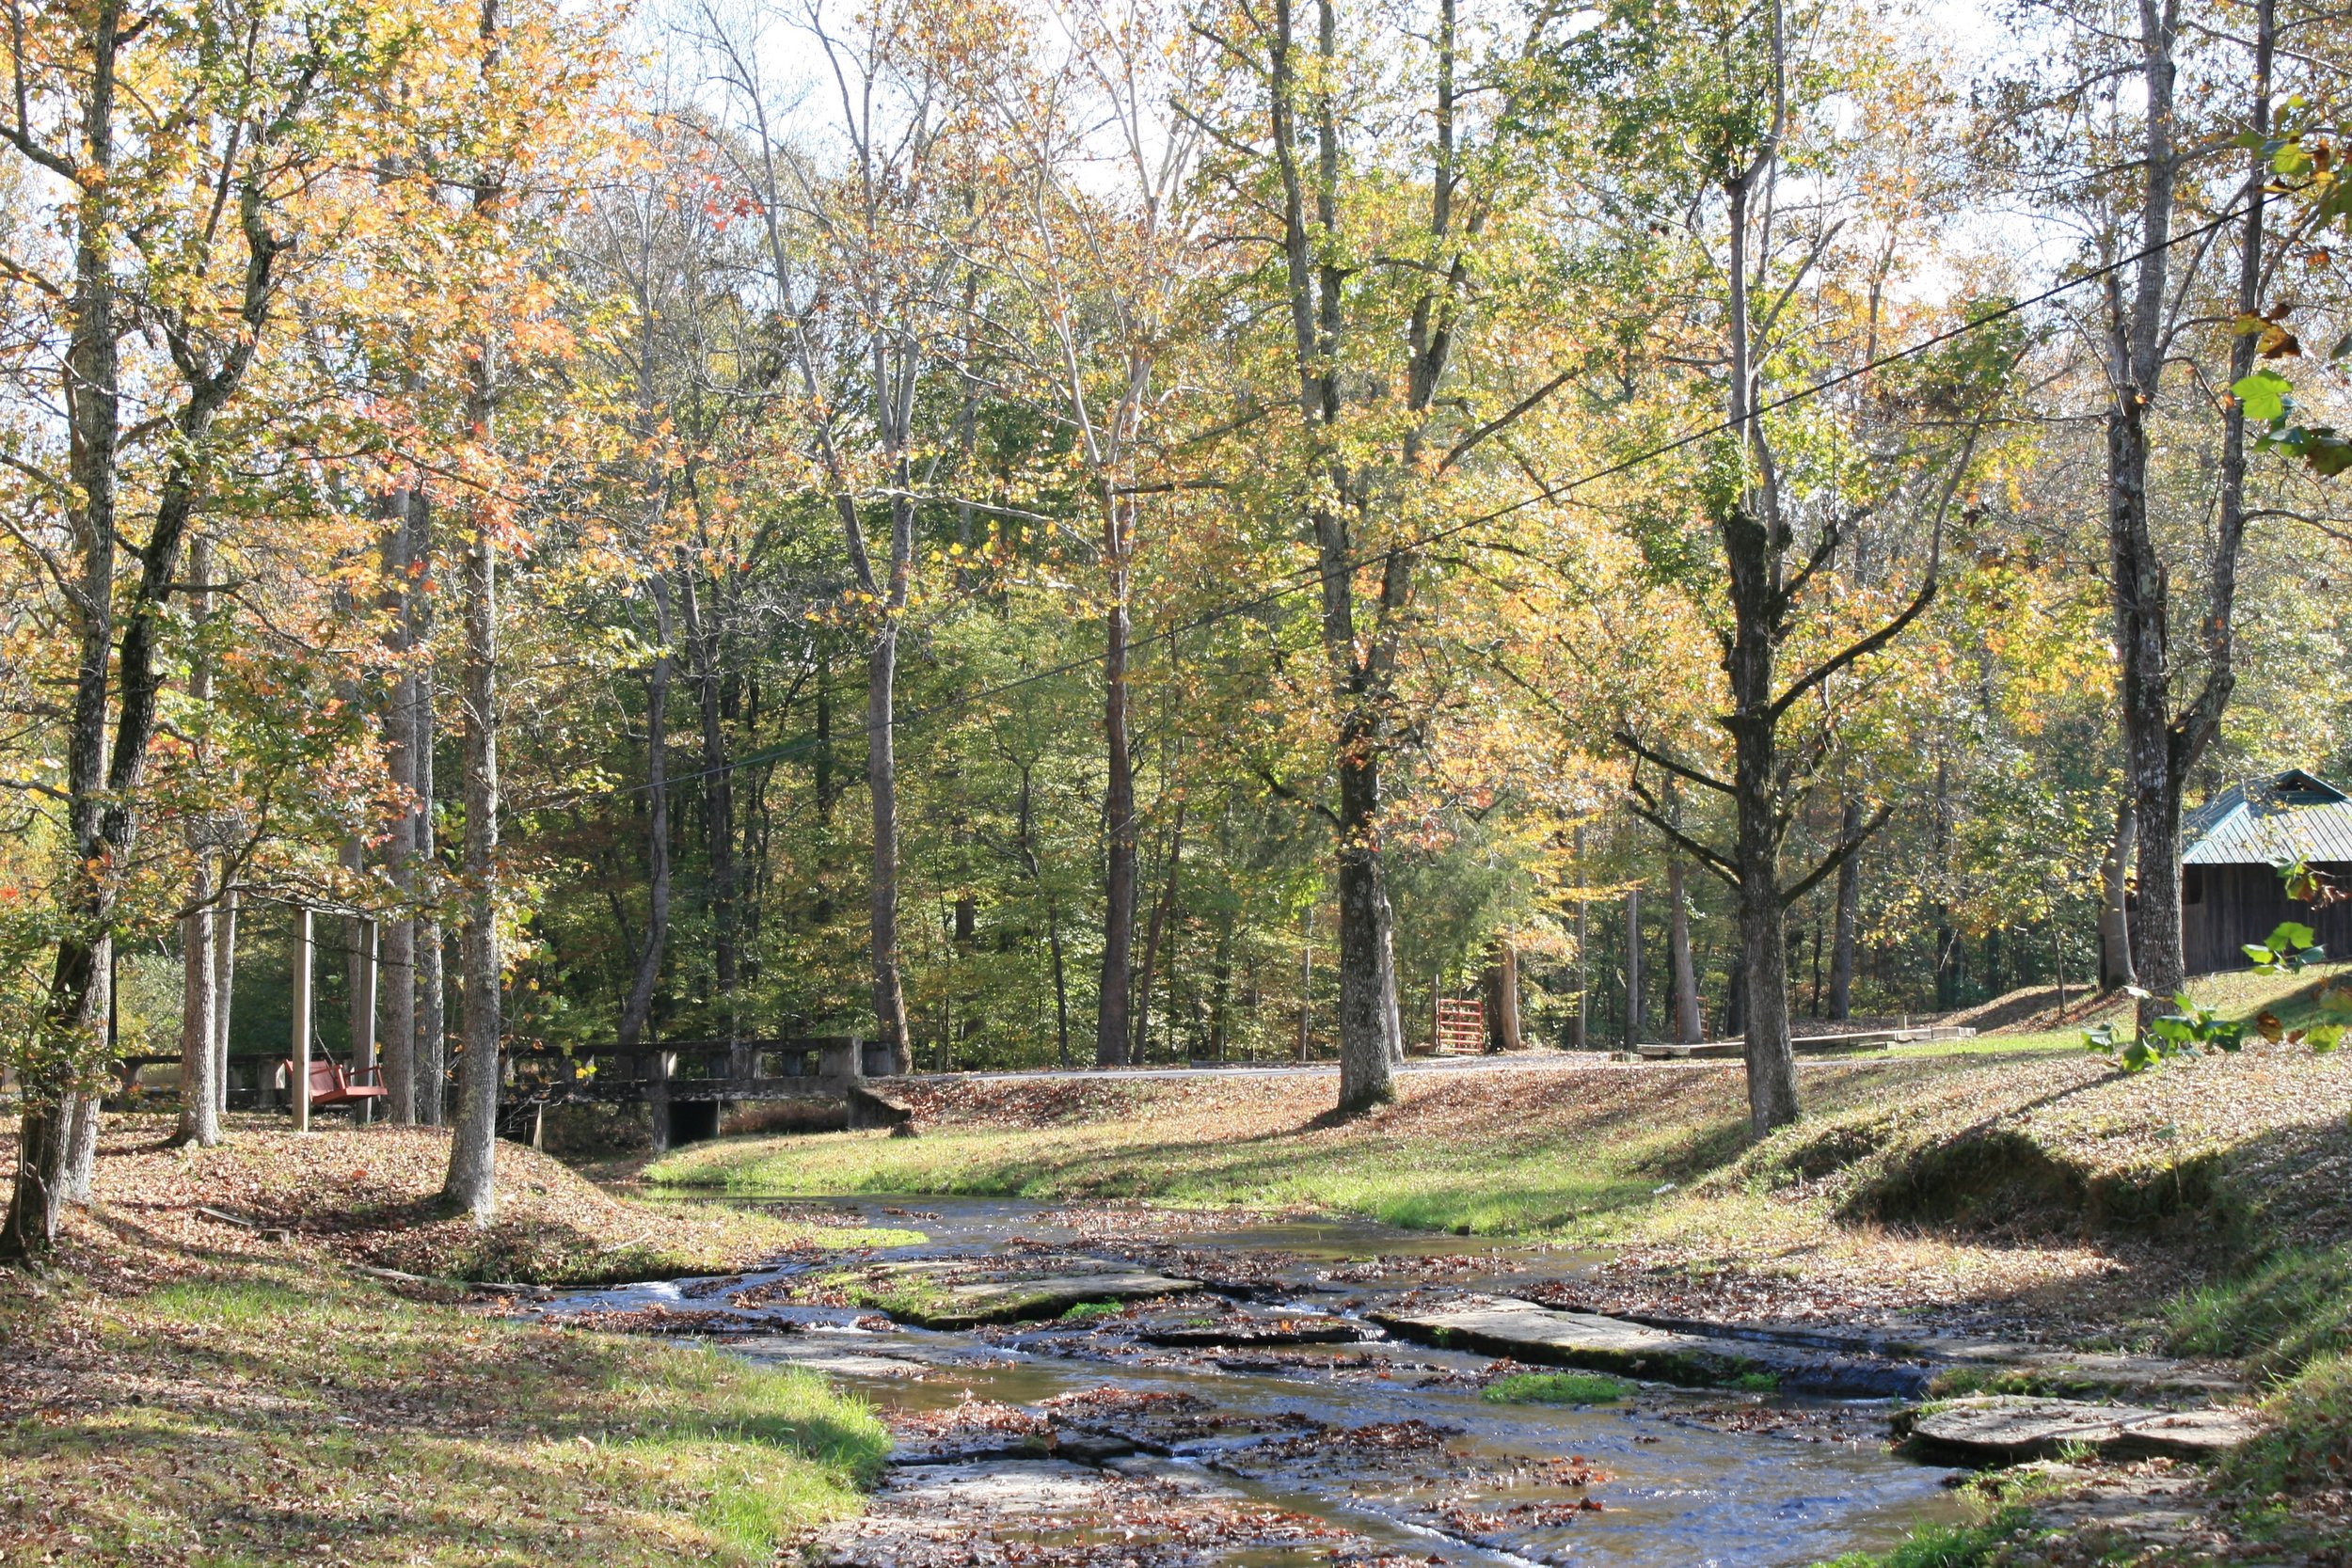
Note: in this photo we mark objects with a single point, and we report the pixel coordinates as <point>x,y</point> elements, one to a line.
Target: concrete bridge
<point>686,1084</point>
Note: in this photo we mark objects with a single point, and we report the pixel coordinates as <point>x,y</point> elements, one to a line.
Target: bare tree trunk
<point>1221,988</point>
<point>473,1145</point>
<point>400,758</point>
<point>882,781</point>
<point>1580,1026</point>
<point>1633,976</point>
<point>432,989</point>
<point>2116,969</point>
<point>1372,1035</point>
<point>1503,1031</point>
<point>224,989</point>
<point>637,1007</point>
<point>199,1092</point>
<point>470,1185</point>
<point>81,1159</point>
<point>1849,914</point>
<point>718,800</point>
<point>1113,997</point>
<point>1306,981</point>
<point>1689,1027</point>
<point>1160,913</point>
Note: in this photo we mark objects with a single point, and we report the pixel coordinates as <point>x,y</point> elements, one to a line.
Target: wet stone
<point>960,1293</point>
<point>1524,1331</point>
<point>1243,1330</point>
<point>2004,1428</point>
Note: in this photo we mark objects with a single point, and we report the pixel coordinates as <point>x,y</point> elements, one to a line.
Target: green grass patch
<point>1086,1311</point>
<point>1758,1382</point>
<point>1963,1546</point>
<point>319,1408</point>
<point>1555,1389</point>
<point>2289,1308</point>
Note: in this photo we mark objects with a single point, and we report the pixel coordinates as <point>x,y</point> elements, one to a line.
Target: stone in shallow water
<point>1241,1329</point>
<point>1001,1486</point>
<point>1998,1428</point>
<point>963,1293</point>
<point>1505,1325</point>
<point>1524,1331</point>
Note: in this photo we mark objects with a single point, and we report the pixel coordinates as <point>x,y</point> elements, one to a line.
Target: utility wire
<point>1274,593</point>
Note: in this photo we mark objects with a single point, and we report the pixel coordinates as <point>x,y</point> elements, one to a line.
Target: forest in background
<point>1120,529</point>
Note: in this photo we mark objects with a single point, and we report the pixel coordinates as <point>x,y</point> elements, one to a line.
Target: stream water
<point>1217,1430</point>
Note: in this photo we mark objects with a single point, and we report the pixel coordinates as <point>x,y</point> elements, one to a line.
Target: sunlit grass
<point>262,1411</point>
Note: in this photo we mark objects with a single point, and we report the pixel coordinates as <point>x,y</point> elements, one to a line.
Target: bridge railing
<point>694,1069</point>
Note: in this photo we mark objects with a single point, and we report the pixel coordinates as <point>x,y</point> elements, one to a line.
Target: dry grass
<point>178,1389</point>
<point>369,1194</point>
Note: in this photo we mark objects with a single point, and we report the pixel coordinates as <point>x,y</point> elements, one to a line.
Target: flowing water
<point>1266,1449</point>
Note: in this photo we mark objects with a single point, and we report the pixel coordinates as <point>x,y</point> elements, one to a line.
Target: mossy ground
<point>1555,1389</point>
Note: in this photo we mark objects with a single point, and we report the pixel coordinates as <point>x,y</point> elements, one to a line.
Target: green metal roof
<point>2287,817</point>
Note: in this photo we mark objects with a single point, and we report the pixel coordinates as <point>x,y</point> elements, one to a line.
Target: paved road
<point>1542,1061</point>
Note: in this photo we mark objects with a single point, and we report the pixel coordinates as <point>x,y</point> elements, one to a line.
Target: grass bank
<point>2044,1181</point>
<point>187,1389</point>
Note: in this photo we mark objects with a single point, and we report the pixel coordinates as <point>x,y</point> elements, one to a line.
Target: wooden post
<point>301,1056</point>
<point>363,1048</point>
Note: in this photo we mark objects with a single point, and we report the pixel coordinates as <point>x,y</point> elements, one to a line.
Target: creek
<point>1265,1421</point>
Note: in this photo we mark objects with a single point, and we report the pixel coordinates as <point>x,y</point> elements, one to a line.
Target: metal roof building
<point>2232,849</point>
<point>2288,816</point>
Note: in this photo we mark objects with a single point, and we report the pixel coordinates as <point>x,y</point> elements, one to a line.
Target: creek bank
<point>1270,1420</point>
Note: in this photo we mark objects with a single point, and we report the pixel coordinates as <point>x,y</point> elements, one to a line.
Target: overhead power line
<point>1276,591</point>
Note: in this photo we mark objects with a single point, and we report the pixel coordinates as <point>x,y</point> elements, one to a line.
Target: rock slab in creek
<point>1505,1325</point>
<point>964,1292</point>
<point>1243,1330</point>
<point>2000,1427</point>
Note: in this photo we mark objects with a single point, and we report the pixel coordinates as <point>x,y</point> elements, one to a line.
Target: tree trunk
<point>81,1158</point>
<point>199,1091</point>
<point>1633,976</point>
<point>400,852</point>
<point>1689,1027</point>
<point>1372,1035</point>
<point>73,1016</point>
<point>200,1088</point>
<point>1580,1026</point>
<point>1849,915</point>
<point>1221,988</point>
<point>2116,969</point>
<point>473,1144</point>
<point>1161,909</point>
<point>638,1006</point>
<point>224,989</point>
<point>1306,981</point>
<point>718,801</point>
<point>1113,997</point>
<point>882,781</point>
<point>432,989</point>
<point>1503,999</point>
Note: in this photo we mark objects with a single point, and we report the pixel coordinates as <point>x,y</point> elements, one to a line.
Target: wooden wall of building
<point>2225,907</point>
